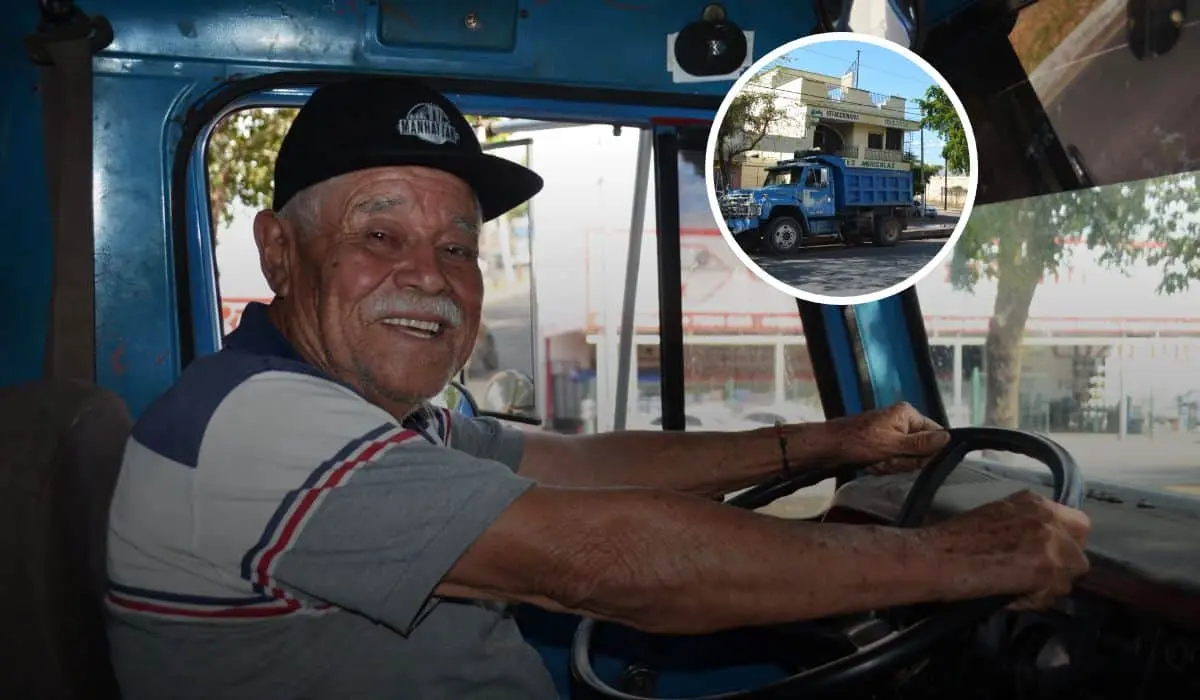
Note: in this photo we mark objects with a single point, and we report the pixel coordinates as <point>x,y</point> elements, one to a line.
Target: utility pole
<point>921,160</point>
<point>857,66</point>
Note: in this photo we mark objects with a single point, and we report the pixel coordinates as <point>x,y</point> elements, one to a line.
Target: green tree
<point>241,159</point>
<point>939,115</point>
<point>1017,244</point>
<point>751,117</point>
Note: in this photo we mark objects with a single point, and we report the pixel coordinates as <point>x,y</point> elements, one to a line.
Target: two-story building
<point>828,113</point>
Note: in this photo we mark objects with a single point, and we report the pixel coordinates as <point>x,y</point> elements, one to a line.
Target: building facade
<point>827,113</point>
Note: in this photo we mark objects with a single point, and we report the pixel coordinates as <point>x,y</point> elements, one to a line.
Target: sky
<point>882,71</point>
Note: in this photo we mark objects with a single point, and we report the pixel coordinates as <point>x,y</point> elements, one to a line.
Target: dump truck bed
<point>872,187</point>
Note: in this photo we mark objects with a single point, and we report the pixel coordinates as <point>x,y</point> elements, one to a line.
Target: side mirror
<point>509,396</point>
<point>510,392</point>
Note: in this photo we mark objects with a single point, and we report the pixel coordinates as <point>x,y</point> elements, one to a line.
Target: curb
<point>918,234</point>
<point>1066,60</point>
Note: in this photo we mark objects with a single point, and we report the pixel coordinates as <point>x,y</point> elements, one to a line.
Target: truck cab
<point>1065,310</point>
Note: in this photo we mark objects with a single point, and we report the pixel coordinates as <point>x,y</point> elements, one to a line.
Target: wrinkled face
<point>385,291</point>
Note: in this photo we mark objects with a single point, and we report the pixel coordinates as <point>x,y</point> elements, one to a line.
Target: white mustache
<point>402,303</point>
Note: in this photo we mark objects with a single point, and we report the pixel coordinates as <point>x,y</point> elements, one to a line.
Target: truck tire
<point>783,235</point>
<point>888,230</point>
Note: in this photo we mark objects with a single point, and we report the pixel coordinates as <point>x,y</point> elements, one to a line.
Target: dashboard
<point>1130,630</point>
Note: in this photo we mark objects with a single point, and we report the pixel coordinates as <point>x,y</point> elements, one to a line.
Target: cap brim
<point>500,184</point>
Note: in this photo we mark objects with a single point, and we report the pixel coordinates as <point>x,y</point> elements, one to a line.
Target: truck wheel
<point>887,231</point>
<point>783,235</point>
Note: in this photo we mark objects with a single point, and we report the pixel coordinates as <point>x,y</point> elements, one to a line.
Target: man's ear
<point>275,251</point>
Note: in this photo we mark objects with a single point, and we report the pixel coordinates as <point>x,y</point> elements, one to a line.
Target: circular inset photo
<point>841,168</point>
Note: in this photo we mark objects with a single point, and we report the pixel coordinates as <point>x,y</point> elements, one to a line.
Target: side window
<point>894,139</point>
<point>240,162</point>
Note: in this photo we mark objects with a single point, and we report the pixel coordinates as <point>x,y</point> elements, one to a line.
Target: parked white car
<point>926,210</point>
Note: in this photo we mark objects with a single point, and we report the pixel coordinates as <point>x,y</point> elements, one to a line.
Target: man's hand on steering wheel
<point>1043,540</point>
<point>1023,552</point>
<point>889,440</point>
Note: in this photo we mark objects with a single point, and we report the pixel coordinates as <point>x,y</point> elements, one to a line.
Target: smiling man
<point>293,520</point>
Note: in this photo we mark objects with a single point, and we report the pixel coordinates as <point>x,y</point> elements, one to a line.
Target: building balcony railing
<point>884,155</point>
<point>862,98</point>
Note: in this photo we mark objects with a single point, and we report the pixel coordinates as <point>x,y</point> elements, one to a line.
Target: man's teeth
<point>431,327</point>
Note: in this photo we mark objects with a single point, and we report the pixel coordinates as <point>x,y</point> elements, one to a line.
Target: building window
<point>895,140</point>
<point>875,140</point>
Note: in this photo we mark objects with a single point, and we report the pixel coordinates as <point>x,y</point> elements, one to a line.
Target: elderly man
<point>293,520</point>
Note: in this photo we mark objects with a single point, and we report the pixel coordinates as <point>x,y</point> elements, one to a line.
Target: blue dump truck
<point>818,195</point>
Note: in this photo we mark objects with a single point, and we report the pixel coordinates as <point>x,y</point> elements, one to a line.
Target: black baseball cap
<point>377,122</point>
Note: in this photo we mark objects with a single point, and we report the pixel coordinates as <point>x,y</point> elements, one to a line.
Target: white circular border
<point>947,247</point>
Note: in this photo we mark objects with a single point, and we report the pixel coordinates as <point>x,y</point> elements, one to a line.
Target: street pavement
<point>1131,119</point>
<point>837,270</point>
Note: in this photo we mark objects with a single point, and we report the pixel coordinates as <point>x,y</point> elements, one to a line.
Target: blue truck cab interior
<point>109,274</point>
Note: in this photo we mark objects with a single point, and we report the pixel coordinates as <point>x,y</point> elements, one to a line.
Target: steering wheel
<point>877,650</point>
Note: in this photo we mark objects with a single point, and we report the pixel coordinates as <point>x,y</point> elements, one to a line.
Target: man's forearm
<point>675,564</point>
<point>701,463</point>
<point>694,568</point>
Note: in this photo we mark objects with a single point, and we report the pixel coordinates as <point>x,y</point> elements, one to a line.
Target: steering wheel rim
<point>907,644</point>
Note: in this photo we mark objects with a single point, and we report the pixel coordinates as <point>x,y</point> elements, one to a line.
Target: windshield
<point>1078,314</point>
<point>1072,315</point>
<point>785,176</point>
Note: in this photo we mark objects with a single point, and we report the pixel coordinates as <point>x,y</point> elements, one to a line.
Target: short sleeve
<point>314,494</point>
<point>487,438</point>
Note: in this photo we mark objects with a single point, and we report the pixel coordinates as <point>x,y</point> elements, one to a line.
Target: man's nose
<point>420,268</point>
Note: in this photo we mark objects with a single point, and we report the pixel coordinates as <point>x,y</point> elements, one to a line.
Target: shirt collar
<point>257,334</point>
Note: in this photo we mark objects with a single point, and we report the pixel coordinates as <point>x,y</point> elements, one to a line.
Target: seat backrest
<point>61,444</point>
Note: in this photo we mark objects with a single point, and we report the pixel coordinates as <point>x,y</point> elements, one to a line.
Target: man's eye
<point>460,251</point>
<point>378,235</point>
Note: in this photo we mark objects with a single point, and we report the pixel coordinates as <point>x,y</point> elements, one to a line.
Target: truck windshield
<point>782,176</point>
